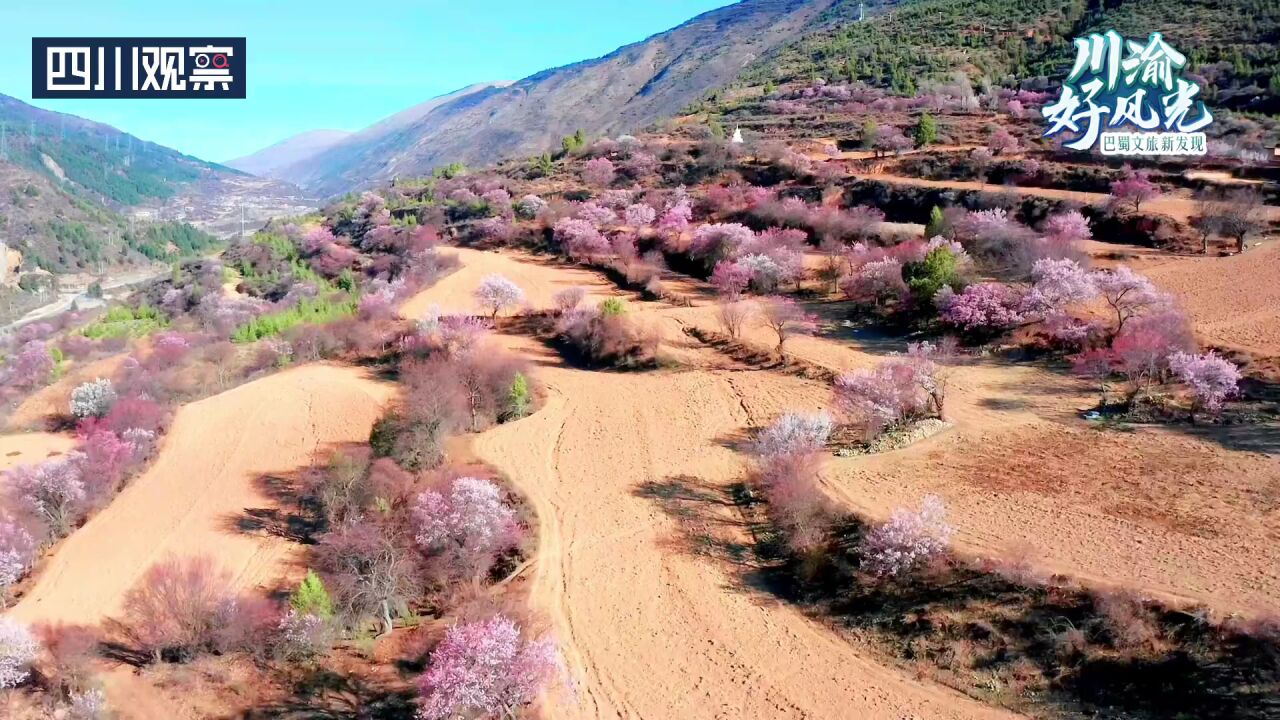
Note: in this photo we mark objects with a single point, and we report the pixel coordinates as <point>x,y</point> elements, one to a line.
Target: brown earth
<point>31,448</point>
<point>206,476</point>
<point>653,631</point>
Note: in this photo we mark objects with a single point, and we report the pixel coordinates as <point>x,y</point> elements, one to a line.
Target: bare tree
<point>1241,215</point>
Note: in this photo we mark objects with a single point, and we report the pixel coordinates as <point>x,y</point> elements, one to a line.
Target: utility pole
<point>862,12</point>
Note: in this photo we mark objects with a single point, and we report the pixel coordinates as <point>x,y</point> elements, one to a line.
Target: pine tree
<point>926,131</point>
<point>311,598</point>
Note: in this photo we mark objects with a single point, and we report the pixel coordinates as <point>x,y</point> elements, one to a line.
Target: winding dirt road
<point>189,502</point>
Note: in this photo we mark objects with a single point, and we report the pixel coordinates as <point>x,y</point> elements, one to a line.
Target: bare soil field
<point>31,448</point>
<point>1182,515</point>
<point>195,496</point>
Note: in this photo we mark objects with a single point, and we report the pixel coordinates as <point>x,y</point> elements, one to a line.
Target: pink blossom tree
<point>1134,188</point>
<point>599,172</point>
<point>731,278</point>
<point>909,539</point>
<point>580,239</point>
<point>1057,284</point>
<point>1002,142</point>
<point>640,215</point>
<point>983,308</point>
<point>31,366</point>
<point>1128,294</point>
<point>53,491</point>
<point>785,317</point>
<point>875,282</point>
<point>495,293</point>
<point>1212,378</point>
<point>718,241</point>
<point>468,527</point>
<point>486,669</point>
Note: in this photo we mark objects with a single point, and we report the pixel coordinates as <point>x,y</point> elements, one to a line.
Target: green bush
<point>518,400</point>
<point>307,311</point>
<point>311,598</point>
<point>123,321</point>
<point>927,277</point>
<point>612,307</point>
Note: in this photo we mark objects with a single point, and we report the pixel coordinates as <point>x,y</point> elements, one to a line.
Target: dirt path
<point>190,500</point>
<point>653,629</point>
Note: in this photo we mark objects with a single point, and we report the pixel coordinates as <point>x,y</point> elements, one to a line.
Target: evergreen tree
<point>518,397</point>
<point>937,224</point>
<point>311,598</point>
<point>926,132</point>
<point>869,130</point>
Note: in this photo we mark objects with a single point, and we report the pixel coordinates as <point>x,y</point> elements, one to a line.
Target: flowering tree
<point>597,214</point>
<point>31,366</point>
<point>528,206</point>
<point>908,539</point>
<point>733,315</point>
<point>676,218</point>
<point>1128,293</point>
<point>17,551</point>
<point>895,391</point>
<point>982,307</point>
<point>794,433</point>
<point>640,215</point>
<point>875,282</point>
<point>93,399</point>
<point>785,317</point>
<point>1135,188</point>
<point>1211,377</point>
<point>1057,284</point>
<point>580,239</point>
<point>731,278</point>
<point>18,650</point>
<point>53,490</point>
<point>1067,227</point>
<point>485,669</point>
<point>718,241</point>
<point>468,527</point>
<point>599,172</point>
<point>1002,142</point>
<point>496,292</point>
<point>168,349</point>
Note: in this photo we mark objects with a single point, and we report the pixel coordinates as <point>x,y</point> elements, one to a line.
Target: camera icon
<point>212,67</point>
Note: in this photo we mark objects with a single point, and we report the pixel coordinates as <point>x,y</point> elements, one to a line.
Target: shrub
<point>307,311</point>
<point>908,539</point>
<point>485,669</point>
<point>104,459</point>
<point>302,636</point>
<point>71,651</point>
<point>925,278</point>
<point>135,413</point>
<point>93,398</point>
<point>528,206</point>
<point>1212,378</point>
<point>88,704</point>
<point>496,293</point>
<point>18,651</point>
<point>607,339</point>
<point>895,391</point>
<point>168,350</point>
<point>794,433</point>
<point>468,528</point>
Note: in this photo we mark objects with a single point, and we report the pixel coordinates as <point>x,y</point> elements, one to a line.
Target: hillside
<point>81,196</point>
<point>623,91</point>
<point>1029,42</point>
<point>268,161</point>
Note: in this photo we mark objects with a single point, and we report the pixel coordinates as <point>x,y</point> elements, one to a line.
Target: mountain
<point>382,138</point>
<point>268,161</point>
<point>77,195</point>
<point>625,90</point>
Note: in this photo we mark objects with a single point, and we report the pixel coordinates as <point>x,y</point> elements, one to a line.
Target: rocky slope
<point>622,91</point>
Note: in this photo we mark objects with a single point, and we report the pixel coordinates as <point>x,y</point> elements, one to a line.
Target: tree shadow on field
<point>288,516</point>
<point>707,517</point>
<point>323,694</point>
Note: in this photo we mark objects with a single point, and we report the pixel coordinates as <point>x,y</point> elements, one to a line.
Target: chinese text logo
<point>1130,97</point>
<point>137,67</point>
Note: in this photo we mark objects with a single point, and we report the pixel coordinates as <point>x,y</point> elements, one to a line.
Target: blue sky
<point>324,64</point>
